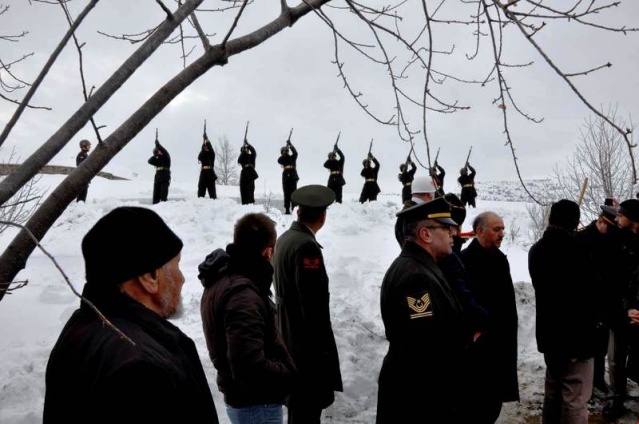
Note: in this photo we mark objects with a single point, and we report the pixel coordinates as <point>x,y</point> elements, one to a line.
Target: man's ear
<point>150,282</point>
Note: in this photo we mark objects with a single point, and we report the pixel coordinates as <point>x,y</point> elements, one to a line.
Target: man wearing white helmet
<point>422,191</point>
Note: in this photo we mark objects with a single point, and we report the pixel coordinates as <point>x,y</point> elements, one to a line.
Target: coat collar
<point>298,226</point>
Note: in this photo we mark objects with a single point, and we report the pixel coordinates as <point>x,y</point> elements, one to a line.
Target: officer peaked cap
<point>437,209</point>
<point>313,196</point>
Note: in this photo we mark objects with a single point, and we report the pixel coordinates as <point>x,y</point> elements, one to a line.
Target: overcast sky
<point>290,82</point>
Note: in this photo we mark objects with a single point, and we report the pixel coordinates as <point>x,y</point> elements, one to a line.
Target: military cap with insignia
<point>437,209</point>
<point>609,211</point>
<point>313,196</point>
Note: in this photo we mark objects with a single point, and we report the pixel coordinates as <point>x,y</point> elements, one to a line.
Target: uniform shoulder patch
<point>311,263</point>
<point>420,307</point>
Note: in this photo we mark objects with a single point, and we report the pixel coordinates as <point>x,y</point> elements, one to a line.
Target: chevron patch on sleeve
<point>420,307</point>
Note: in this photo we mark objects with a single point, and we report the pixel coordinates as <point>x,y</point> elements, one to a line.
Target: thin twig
<point>66,279</point>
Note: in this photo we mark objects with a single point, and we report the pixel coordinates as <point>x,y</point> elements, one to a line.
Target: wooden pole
<point>582,192</point>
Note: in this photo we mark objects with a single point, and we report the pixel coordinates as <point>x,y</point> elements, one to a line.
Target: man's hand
<point>633,314</point>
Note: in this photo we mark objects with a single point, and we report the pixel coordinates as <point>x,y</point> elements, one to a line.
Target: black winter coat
<point>238,317</point>
<point>247,162</point>
<point>207,158</point>
<point>289,163</point>
<point>427,334</point>
<point>607,258</point>
<point>406,178</point>
<point>336,166</point>
<point>496,350</point>
<point>567,293</point>
<point>94,375</point>
<point>303,316</point>
<point>162,164</point>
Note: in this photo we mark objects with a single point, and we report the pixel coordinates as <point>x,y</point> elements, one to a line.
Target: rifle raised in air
<point>246,133</point>
<point>288,140</point>
<point>205,138</point>
<point>436,156</point>
<point>370,147</point>
<point>468,157</point>
<point>337,140</point>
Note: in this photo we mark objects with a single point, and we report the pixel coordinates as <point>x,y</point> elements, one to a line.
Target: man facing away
<point>466,180</point>
<point>254,370</point>
<point>493,355</point>
<point>85,146</point>
<point>406,177</point>
<point>145,369</point>
<point>437,173</point>
<point>568,313</point>
<point>370,189</point>
<point>162,162</point>
<point>248,174</point>
<point>288,161</point>
<point>424,321</point>
<point>206,182</point>
<point>303,312</point>
<point>335,164</point>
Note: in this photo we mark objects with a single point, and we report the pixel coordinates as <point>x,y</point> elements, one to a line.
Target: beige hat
<point>422,185</point>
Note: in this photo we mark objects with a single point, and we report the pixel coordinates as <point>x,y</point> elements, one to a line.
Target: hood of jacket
<point>237,261</point>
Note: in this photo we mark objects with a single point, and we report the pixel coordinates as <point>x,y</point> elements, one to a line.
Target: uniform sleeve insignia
<point>420,307</point>
<point>311,263</point>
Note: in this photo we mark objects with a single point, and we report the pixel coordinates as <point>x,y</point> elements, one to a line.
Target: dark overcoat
<point>422,372</point>
<point>467,183</point>
<point>371,189</point>
<point>303,316</point>
<point>495,354</point>
<point>567,294</point>
<point>94,375</point>
<point>406,178</point>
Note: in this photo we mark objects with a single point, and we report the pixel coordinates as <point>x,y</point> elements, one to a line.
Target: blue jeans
<point>259,414</point>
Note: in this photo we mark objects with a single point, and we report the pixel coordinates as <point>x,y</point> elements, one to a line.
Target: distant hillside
<point>6,169</point>
<point>512,191</point>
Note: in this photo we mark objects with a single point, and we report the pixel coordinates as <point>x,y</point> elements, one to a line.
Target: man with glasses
<point>493,356</point>
<point>424,323</point>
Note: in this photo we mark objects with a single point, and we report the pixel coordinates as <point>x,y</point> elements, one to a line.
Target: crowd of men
<point>449,312</point>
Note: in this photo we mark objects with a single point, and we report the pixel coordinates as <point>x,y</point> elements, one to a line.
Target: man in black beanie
<point>129,364</point>
<point>567,314</point>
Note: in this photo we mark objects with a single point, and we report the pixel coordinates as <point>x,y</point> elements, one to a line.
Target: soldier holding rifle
<point>335,164</point>
<point>369,172</point>
<point>162,162</point>
<point>437,173</point>
<point>288,160</point>
<point>85,146</point>
<point>248,174</point>
<point>406,177</point>
<point>467,182</point>
<point>207,172</point>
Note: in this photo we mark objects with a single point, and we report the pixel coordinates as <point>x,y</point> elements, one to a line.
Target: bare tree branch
<point>3,286</point>
<point>44,71</point>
